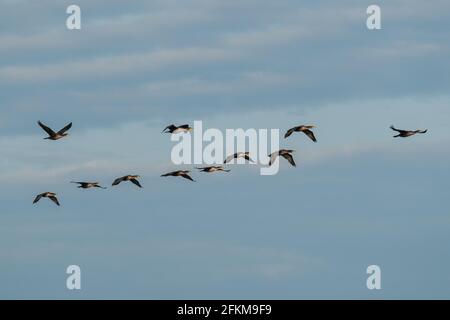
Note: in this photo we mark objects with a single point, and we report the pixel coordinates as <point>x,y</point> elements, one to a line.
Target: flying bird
<point>87,185</point>
<point>303,128</point>
<point>52,135</point>
<point>50,195</point>
<point>407,133</point>
<point>179,173</point>
<point>212,169</point>
<point>131,178</point>
<point>283,153</point>
<point>245,155</point>
<point>174,129</point>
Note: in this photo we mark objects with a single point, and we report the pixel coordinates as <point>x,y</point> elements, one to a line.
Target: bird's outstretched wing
<point>229,158</point>
<point>118,180</point>
<point>310,134</point>
<point>398,130</point>
<point>167,174</point>
<point>186,176</point>
<point>54,199</point>
<point>63,130</point>
<point>49,131</point>
<point>247,157</point>
<point>38,197</point>
<point>184,126</point>
<point>136,182</point>
<point>289,158</point>
<point>170,128</point>
<point>289,132</point>
<point>273,157</point>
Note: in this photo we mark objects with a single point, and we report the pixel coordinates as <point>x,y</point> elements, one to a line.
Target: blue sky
<point>358,197</point>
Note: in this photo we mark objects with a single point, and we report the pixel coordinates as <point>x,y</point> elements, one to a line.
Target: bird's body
<point>131,178</point>
<point>245,155</point>
<point>407,133</point>
<point>179,173</point>
<point>302,128</point>
<point>88,185</point>
<point>173,129</point>
<point>52,135</point>
<point>49,195</point>
<point>287,154</point>
<point>212,169</point>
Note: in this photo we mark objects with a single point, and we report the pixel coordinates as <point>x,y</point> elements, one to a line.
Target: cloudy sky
<point>357,198</point>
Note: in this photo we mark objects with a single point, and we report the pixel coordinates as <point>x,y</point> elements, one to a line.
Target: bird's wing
<point>289,158</point>
<point>76,182</point>
<point>63,130</point>
<point>54,199</point>
<point>246,157</point>
<point>118,180</point>
<point>136,182</point>
<point>229,158</point>
<point>171,127</point>
<point>167,174</point>
<point>401,131</point>
<point>186,176</point>
<point>49,131</point>
<point>38,197</point>
<point>310,134</point>
<point>423,131</point>
<point>273,157</point>
<point>184,126</point>
<point>289,132</point>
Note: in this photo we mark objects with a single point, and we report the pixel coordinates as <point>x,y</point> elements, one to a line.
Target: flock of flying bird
<point>173,129</point>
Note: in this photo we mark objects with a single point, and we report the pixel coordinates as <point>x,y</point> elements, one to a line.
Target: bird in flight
<point>131,178</point>
<point>179,173</point>
<point>283,153</point>
<point>407,133</point>
<point>303,128</point>
<point>245,155</point>
<point>52,135</point>
<point>87,185</point>
<point>212,169</point>
<point>174,129</point>
<point>50,195</point>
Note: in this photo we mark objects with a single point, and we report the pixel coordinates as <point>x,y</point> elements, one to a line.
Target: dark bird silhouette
<point>303,128</point>
<point>407,133</point>
<point>52,135</point>
<point>212,169</point>
<point>174,129</point>
<point>87,185</point>
<point>245,155</point>
<point>179,173</point>
<point>283,153</point>
<point>131,178</point>
<point>50,195</point>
